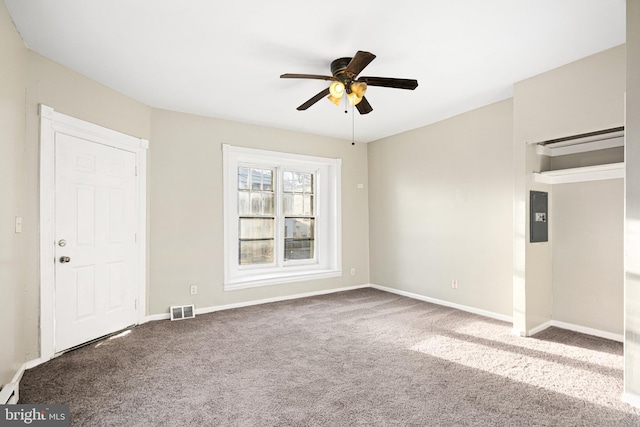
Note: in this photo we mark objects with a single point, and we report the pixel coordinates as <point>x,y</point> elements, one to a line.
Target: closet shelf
<point>588,173</point>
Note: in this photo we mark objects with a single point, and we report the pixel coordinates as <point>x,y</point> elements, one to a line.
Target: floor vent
<point>179,312</point>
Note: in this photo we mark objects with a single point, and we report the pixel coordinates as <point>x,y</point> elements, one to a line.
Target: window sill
<point>278,278</point>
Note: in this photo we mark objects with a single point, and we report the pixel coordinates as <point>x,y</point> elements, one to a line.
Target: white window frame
<point>327,261</point>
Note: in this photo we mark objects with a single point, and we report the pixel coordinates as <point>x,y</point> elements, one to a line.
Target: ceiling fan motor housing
<point>337,70</point>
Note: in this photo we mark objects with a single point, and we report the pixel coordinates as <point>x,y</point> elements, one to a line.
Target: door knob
<point>65,259</point>
<point>62,243</point>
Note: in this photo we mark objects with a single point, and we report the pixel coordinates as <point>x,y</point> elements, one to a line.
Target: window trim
<point>328,262</point>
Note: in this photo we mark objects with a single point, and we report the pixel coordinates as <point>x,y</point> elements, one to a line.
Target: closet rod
<point>583,135</point>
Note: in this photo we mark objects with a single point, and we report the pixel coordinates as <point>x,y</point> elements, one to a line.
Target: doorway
<point>92,227</point>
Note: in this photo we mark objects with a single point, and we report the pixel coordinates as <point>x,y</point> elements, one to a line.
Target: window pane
<point>298,193</point>
<point>299,238</point>
<point>298,228</point>
<point>256,179</point>
<point>243,178</point>
<point>256,203</point>
<point>256,252</point>
<point>287,181</point>
<point>298,205</point>
<point>256,228</point>
<point>267,180</point>
<point>287,199</point>
<point>297,182</point>
<point>268,203</point>
<point>298,249</point>
<point>243,203</point>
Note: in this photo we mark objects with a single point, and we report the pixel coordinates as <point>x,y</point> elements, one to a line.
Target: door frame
<point>52,122</point>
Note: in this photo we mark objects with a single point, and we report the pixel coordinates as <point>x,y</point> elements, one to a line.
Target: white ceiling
<point>223,58</point>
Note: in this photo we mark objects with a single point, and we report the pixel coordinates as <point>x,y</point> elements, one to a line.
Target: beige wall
<point>13,56</point>
<point>580,97</point>
<point>632,209</point>
<point>73,94</point>
<point>588,275</point>
<point>186,227</point>
<point>440,200</point>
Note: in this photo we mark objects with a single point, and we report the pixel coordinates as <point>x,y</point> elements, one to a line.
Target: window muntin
<point>282,225</point>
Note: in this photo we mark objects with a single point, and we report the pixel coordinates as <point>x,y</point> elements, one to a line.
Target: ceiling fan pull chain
<point>353,126</point>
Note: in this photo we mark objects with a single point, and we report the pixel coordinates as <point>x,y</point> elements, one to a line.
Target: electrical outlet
<point>454,284</point>
<point>194,289</point>
<point>353,271</point>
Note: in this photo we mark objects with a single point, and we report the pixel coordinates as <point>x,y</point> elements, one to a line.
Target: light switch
<point>18,224</point>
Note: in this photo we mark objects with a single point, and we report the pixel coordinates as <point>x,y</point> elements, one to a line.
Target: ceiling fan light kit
<point>336,89</point>
<point>344,79</point>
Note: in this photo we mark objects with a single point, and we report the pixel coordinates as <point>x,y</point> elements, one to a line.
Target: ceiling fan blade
<point>410,84</point>
<point>306,76</point>
<point>314,99</point>
<point>357,63</point>
<point>364,107</point>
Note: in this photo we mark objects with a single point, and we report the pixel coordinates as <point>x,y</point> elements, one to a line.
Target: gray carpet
<point>357,358</point>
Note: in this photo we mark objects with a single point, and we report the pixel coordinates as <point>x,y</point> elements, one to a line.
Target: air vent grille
<point>179,312</point>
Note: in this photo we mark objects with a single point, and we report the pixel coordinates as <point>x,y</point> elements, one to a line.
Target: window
<point>281,217</point>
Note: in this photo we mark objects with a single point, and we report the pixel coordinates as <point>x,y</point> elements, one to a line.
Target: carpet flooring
<point>356,358</point>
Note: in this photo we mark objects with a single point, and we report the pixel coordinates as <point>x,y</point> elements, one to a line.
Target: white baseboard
<point>154,317</point>
<point>211,309</point>
<point>466,308</point>
<point>33,363</point>
<point>577,328</point>
<point>539,328</point>
<point>10,392</point>
<point>631,399</point>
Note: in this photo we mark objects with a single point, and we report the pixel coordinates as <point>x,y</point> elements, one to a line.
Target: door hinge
<point>136,170</point>
<point>135,304</point>
<point>135,237</point>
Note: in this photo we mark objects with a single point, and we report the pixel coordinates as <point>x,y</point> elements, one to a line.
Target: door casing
<point>52,122</point>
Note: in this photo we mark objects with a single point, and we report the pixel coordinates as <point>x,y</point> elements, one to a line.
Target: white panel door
<point>95,240</point>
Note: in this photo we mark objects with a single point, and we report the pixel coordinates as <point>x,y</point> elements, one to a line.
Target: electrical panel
<point>538,217</point>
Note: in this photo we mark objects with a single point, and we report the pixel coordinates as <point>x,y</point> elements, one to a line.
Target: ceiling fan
<point>344,80</point>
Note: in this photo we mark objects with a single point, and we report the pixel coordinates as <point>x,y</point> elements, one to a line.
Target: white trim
<point>328,253</point>
<point>142,230</point>
<point>582,174</point>
<point>539,328</point>
<point>154,317</point>
<point>292,277</point>
<point>631,399</point>
<point>211,309</point>
<point>10,393</point>
<point>34,362</point>
<point>577,328</point>
<point>47,254</point>
<point>466,308</point>
<point>52,122</point>
<point>13,387</point>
